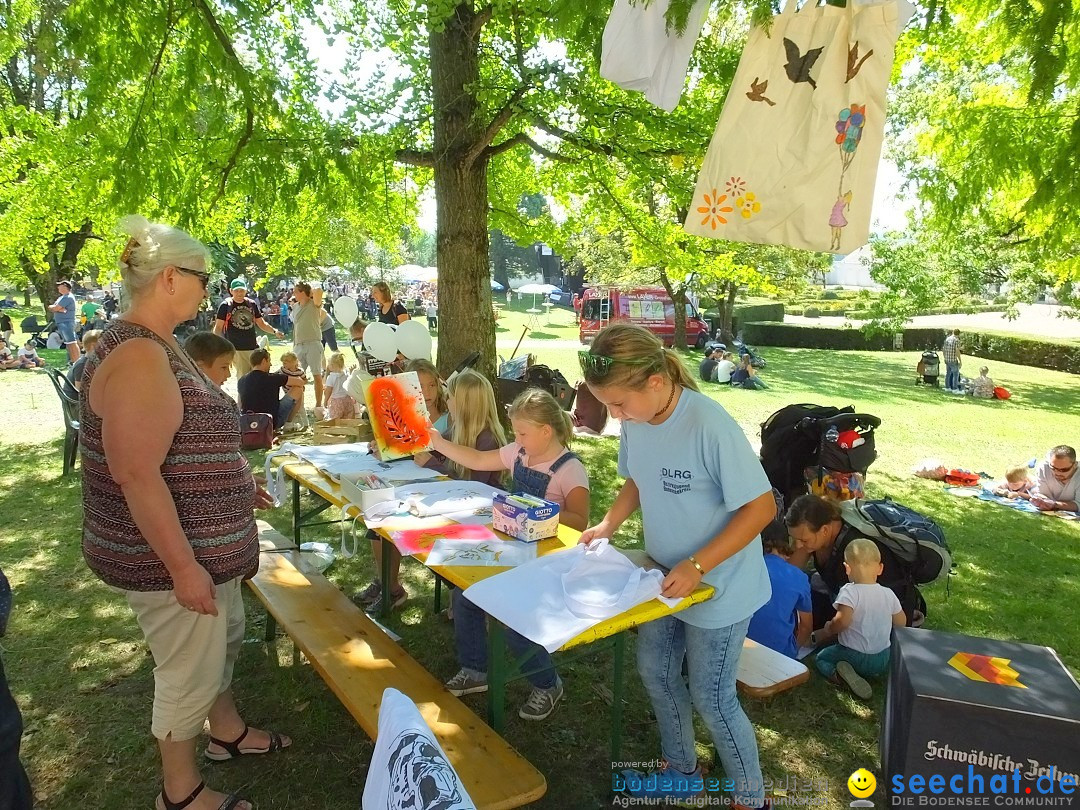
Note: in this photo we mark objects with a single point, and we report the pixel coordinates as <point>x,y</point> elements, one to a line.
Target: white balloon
<point>414,340</point>
<point>381,342</point>
<point>346,311</point>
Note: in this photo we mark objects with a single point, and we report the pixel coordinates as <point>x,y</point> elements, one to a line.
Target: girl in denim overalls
<point>542,466</point>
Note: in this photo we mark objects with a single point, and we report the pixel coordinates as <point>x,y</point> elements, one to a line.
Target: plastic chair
<point>70,406</point>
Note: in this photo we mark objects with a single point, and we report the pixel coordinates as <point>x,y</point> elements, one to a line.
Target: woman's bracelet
<point>696,564</point>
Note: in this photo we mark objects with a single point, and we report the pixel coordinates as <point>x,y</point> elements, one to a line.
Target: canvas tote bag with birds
<point>795,153</point>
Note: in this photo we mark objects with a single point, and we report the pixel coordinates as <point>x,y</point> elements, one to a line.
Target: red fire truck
<point>650,307</point>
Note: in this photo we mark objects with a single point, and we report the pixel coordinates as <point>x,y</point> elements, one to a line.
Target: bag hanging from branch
<point>795,153</point>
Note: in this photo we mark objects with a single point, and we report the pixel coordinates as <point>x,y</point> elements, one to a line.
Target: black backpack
<point>790,442</point>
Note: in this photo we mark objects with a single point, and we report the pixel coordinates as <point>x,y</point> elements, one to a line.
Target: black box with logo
<point>978,708</point>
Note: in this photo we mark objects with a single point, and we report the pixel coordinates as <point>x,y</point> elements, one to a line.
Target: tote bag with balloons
<point>795,153</point>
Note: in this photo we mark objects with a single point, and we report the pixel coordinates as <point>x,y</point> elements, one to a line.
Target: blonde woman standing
<point>167,505</point>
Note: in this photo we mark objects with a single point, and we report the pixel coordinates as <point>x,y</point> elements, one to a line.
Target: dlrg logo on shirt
<point>681,482</point>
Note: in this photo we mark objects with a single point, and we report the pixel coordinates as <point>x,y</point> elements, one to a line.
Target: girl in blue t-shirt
<point>704,498</point>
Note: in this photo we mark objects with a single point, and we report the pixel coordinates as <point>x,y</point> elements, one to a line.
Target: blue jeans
<point>869,666</point>
<point>470,629</point>
<point>952,376</point>
<point>285,406</point>
<point>712,656</point>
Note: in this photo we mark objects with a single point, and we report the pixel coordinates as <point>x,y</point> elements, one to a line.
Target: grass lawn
<point>79,669</point>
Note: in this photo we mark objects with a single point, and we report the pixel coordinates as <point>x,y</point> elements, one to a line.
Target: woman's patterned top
<point>210,483</point>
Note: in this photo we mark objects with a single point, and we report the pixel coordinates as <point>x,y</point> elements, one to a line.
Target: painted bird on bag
<point>854,63</point>
<point>757,92</point>
<point>798,64</point>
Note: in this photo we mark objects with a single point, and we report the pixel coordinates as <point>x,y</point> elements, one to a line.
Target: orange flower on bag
<point>714,209</point>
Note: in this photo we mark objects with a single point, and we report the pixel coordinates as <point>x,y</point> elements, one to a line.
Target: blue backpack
<point>916,540</point>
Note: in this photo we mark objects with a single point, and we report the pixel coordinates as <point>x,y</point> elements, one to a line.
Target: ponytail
<point>677,372</point>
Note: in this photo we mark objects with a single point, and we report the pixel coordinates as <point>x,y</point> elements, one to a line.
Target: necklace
<point>667,404</point>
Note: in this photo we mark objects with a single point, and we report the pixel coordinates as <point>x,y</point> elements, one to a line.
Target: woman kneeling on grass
<point>167,505</point>
<point>704,500</point>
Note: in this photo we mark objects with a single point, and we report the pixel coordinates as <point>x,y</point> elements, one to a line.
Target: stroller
<point>30,326</point>
<point>819,449</point>
<point>928,369</point>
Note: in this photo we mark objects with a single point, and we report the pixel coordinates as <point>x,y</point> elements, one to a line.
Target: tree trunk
<point>678,298</point>
<point>59,264</point>
<point>466,320</point>
<point>727,312</point>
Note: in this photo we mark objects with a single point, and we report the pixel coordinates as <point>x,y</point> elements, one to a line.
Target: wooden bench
<point>358,661</point>
<point>764,672</point>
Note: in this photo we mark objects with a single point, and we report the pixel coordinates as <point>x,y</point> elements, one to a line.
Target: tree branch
<point>500,120</point>
<point>522,138</point>
<point>244,84</point>
<point>482,18</point>
<point>415,157</point>
<point>591,146</point>
<point>150,78</point>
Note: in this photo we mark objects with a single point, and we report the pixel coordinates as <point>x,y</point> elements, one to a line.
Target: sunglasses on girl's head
<point>597,366</point>
<point>201,275</point>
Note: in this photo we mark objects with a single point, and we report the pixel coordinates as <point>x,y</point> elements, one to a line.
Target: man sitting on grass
<point>260,390</point>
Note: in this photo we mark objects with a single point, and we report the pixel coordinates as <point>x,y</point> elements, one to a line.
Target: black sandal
<point>232,749</point>
<point>230,803</point>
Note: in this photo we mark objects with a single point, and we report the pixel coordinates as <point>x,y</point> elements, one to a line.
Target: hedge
<point>747,313</point>
<point>1008,348</point>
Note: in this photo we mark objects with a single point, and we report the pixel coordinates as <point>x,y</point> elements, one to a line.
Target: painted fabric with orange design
<point>398,415</point>
<point>794,157</point>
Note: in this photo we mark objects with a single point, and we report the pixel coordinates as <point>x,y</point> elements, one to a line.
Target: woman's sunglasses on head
<point>201,275</point>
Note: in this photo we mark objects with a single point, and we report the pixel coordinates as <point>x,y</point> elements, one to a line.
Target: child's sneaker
<point>370,595</point>
<point>853,681</point>
<point>466,683</point>
<point>397,599</point>
<point>666,783</point>
<point>541,702</point>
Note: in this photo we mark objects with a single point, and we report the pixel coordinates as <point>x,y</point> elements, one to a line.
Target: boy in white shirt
<point>866,613</point>
<point>28,356</point>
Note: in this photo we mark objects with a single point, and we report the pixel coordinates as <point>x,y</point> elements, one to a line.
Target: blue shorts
<point>66,330</point>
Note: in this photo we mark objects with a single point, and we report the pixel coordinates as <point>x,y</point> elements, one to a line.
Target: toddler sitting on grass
<point>866,613</point>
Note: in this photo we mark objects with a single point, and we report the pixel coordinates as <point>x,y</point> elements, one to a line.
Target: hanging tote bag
<point>795,153</point>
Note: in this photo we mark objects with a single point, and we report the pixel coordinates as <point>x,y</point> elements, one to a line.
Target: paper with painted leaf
<point>421,541</point>
<point>504,553</point>
<point>399,417</point>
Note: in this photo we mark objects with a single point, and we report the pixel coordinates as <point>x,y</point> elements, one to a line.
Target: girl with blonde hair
<point>543,467</point>
<point>704,500</point>
<point>474,422</point>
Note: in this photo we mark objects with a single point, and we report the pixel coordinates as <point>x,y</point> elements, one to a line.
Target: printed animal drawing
<point>798,64</point>
<point>758,90</point>
<point>854,63</point>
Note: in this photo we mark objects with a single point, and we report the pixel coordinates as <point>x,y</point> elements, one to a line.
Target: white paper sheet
<point>504,553</point>
<point>408,767</point>
<point>461,501</point>
<point>532,598</point>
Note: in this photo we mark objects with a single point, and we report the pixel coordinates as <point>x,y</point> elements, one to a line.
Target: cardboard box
<point>342,431</point>
<point>528,523</point>
<point>356,491</point>
<point>976,709</point>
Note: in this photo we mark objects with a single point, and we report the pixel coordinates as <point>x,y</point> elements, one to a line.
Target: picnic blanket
<point>1019,504</point>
